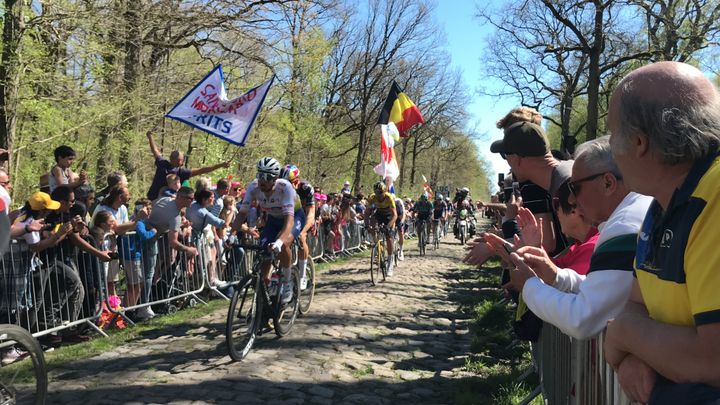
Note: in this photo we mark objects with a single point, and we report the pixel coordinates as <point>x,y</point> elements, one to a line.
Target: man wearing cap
<point>346,188</point>
<point>527,151</point>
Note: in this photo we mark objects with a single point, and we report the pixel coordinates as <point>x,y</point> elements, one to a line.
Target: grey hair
<point>597,156</point>
<point>677,132</point>
<point>204,182</point>
<point>113,178</point>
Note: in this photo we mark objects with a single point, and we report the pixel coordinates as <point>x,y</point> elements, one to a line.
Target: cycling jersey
<point>423,209</point>
<point>281,201</point>
<point>383,207</point>
<point>439,210</point>
<point>400,209</point>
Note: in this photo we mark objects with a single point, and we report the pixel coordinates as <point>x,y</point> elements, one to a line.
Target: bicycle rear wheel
<point>23,375</point>
<point>244,317</point>
<point>422,241</point>
<point>307,295</point>
<point>285,314</point>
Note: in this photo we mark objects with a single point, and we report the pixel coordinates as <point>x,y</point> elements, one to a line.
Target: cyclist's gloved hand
<point>276,246</point>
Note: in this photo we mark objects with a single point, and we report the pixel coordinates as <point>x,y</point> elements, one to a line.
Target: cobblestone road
<point>402,341</point>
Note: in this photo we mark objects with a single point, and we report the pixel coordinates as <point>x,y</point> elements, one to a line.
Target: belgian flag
<point>400,110</point>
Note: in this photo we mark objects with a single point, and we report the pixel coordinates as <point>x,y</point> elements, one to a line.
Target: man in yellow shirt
<point>381,206</point>
<point>665,125</point>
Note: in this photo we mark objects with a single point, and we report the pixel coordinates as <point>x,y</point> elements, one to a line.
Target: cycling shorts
<point>275,225</point>
<point>382,218</point>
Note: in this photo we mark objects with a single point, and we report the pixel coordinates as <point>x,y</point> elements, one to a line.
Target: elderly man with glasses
<point>580,305</point>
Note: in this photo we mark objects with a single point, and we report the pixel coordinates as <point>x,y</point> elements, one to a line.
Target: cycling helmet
<point>439,197</point>
<point>465,189</point>
<point>268,169</point>
<point>379,187</point>
<point>290,172</point>
<point>424,196</point>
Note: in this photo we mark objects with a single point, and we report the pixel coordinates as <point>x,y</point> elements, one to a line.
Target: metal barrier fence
<point>64,287</point>
<point>574,371</point>
<point>47,291</point>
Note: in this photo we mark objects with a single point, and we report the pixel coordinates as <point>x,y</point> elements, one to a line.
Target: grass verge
<point>497,361</point>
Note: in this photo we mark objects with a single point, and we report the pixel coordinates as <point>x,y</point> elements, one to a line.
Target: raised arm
<point>208,169</point>
<point>153,148</point>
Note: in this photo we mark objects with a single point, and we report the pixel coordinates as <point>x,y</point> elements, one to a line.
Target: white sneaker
<point>150,311</point>
<point>303,283</point>
<point>12,355</point>
<point>217,283</point>
<point>401,256</point>
<point>286,293</point>
<point>390,266</point>
<point>144,313</point>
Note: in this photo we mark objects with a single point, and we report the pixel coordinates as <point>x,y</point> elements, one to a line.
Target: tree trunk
<point>131,76</point>
<point>414,158</point>
<point>403,156</point>
<point>360,158</point>
<point>10,71</point>
<point>594,72</point>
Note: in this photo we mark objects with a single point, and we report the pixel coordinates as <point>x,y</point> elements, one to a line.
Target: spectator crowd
<point>620,241</point>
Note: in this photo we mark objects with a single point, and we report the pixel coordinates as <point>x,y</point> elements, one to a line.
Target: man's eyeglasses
<point>575,186</point>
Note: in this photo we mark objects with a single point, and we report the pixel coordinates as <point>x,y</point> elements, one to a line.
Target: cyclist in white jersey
<point>276,197</point>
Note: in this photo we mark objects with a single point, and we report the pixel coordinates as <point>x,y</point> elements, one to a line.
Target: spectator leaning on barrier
<point>579,305</point>
<point>165,217</point>
<point>138,260</point>
<point>163,167</point>
<point>665,121</point>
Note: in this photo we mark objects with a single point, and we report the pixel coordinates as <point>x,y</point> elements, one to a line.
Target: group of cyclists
<point>289,204</point>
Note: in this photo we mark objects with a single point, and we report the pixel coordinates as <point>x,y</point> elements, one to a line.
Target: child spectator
<point>61,173</point>
<point>173,185</point>
<point>149,247</point>
<point>132,248</point>
<point>103,230</point>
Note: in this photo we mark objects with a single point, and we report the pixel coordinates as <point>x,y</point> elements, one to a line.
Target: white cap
<point>347,183</point>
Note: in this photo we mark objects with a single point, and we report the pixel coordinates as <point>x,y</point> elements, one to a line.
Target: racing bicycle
<point>23,380</point>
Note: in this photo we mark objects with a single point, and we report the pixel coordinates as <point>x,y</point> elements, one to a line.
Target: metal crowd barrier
<point>51,291</point>
<point>64,287</point>
<point>574,371</point>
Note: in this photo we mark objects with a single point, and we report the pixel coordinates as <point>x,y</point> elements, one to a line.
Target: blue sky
<point>466,38</point>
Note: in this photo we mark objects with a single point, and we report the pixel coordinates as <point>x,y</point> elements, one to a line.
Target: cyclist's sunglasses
<point>265,176</point>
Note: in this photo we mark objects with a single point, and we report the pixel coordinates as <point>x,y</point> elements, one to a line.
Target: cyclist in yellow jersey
<point>381,207</point>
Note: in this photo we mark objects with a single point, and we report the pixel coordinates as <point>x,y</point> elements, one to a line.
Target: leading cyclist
<point>423,209</point>
<point>381,206</point>
<point>277,198</point>
<point>305,201</point>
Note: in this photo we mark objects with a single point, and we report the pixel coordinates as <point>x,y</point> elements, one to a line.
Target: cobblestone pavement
<point>402,341</point>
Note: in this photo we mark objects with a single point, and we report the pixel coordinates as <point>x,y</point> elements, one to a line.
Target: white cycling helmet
<point>268,169</point>
<point>465,189</point>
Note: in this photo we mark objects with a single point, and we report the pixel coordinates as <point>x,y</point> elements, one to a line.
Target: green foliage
<point>76,88</point>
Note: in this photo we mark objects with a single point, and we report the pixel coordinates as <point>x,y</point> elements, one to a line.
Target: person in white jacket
<point>581,306</point>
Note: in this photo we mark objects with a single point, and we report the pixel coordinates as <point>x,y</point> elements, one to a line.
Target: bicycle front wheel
<point>375,259</point>
<point>285,314</point>
<point>307,295</point>
<point>243,319</point>
<point>23,375</point>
